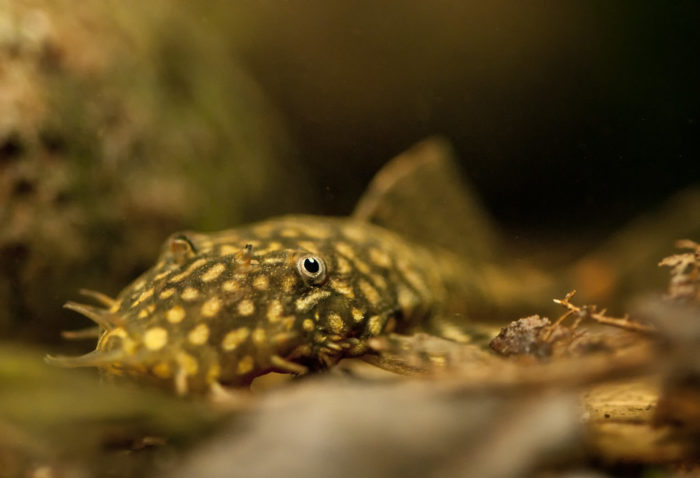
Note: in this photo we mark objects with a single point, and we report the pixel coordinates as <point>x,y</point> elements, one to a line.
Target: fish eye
<point>312,268</point>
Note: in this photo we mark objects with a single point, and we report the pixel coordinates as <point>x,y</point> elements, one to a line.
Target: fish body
<point>291,294</point>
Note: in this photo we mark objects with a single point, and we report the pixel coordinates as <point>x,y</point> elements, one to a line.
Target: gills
<point>298,293</point>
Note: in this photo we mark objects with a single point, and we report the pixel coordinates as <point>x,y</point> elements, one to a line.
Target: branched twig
<point>591,312</point>
<point>685,271</point>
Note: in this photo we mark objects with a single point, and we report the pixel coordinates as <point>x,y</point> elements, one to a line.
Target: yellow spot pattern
<point>199,335</point>
<point>289,233</point>
<point>246,307</point>
<point>342,288</point>
<point>230,286</point>
<point>261,282</point>
<point>288,283</point>
<point>140,284</point>
<point>258,336</point>
<point>357,314</point>
<point>336,323</point>
<point>407,299</point>
<point>227,250</point>
<point>189,294</point>
<point>187,363</point>
<point>245,365</point>
<point>175,315</point>
<point>274,311</point>
<point>309,246</point>
<point>379,281</point>
<point>374,325</point>
<point>213,272</point>
<point>379,258</point>
<point>311,299</point>
<point>316,232</point>
<point>188,271</point>
<point>345,249</point>
<point>155,338</point>
<point>273,260</point>
<point>234,338</point>
<point>343,266</point>
<point>369,292</point>
<point>273,246</point>
<point>213,373</point>
<point>161,275</point>
<point>147,294</point>
<point>166,293</point>
<point>211,307</point>
<point>162,370</point>
<point>361,266</point>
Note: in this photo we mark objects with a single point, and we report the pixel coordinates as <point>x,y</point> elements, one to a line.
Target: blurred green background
<point>123,121</point>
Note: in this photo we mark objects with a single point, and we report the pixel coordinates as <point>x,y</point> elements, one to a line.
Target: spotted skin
<point>225,307</point>
<point>296,294</point>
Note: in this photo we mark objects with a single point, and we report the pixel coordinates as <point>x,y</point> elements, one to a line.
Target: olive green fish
<point>297,293</point>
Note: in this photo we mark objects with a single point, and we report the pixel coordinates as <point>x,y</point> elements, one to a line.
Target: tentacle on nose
<point>103,299</point>
<point>96,358</point>
<point>101,317</point>
<point>80,334</point>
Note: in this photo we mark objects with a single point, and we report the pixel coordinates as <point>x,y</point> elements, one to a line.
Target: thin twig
<point>590,311</point>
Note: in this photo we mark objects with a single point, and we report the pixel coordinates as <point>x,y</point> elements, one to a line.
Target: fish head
<point>230,306</point>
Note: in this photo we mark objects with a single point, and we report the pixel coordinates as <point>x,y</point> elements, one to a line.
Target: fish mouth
<point>106,320</point>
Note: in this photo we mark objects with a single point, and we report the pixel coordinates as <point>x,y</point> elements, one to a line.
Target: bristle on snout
<point>103,299</point>
<point>81,334</point>
<point>96,358</point>
<point>101,317</point>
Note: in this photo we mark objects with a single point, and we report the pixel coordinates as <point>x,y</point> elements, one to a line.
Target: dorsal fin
<point>421,195</point>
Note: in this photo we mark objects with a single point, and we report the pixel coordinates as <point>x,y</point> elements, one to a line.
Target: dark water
<point>585,109</point>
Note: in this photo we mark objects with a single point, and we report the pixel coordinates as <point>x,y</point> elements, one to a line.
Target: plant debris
<point>532,335</point>
<point>685,272</point>
<point>591,312</point>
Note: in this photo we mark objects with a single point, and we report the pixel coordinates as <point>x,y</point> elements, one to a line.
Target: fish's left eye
<point>312,268</point>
